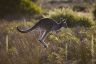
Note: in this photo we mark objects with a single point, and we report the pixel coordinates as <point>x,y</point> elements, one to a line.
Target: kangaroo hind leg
<point>42,38</point>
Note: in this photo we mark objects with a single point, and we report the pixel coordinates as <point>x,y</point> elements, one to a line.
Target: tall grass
<point>67,46</point>
<point>25,49</point>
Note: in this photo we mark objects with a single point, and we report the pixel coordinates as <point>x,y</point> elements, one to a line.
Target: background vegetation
<point>72,45</point>
<point>18,8</point>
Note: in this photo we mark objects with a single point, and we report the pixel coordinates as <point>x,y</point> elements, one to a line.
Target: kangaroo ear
<point>63,19</point>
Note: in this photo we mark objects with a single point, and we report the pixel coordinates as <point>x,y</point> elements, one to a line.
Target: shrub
<point>18,7</point>
<point>73,18</point>
<point>29,6</point>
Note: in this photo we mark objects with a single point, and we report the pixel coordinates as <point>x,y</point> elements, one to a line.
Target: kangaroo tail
<point>25,31</point>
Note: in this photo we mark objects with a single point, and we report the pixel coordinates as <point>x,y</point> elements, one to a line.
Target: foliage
<point>94,11</point>
<point>73,18</point>
<point>29,6</point>
<point>18,7</point>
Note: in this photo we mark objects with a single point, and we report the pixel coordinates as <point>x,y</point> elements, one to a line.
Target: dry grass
<point>25,49</point>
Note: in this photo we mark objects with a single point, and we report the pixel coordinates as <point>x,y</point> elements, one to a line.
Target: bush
<point>73,18</point>
<point>29,6</point>
<point>18,7</point>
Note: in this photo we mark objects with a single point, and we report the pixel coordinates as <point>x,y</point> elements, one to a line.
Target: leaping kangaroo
<point>46,24</point>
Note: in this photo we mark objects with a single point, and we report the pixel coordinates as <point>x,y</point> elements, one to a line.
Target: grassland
<point>75,44</point>
<point>71,45</point>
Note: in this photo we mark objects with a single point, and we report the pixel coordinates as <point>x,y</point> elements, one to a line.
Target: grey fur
<point>47,25</point>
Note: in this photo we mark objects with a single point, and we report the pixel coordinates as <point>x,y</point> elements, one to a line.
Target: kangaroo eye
<point>64,22</point>
<point>62,19</point>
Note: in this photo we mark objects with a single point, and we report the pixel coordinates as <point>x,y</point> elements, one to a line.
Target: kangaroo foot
<point>44,44</point>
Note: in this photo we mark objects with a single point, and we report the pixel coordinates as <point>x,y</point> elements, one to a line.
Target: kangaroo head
<point>64,23</point>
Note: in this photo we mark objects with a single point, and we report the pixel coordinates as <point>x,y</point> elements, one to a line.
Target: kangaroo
<point>47,25</point>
